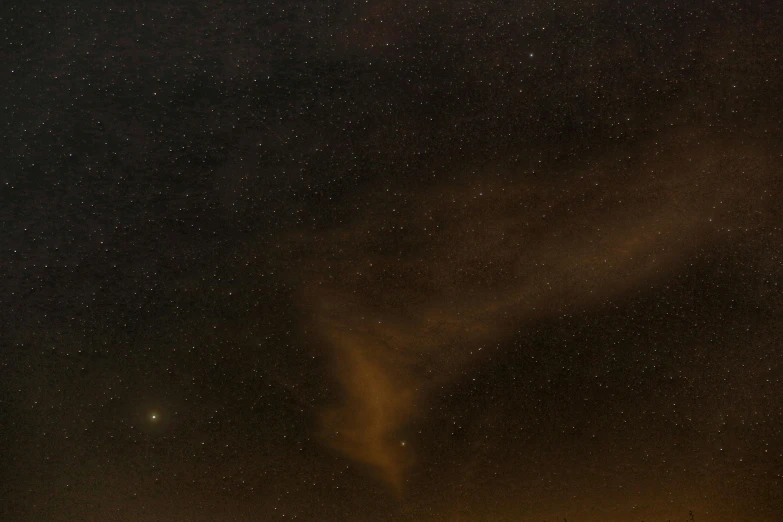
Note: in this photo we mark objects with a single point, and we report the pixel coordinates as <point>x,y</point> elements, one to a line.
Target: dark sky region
<point>391,261</point>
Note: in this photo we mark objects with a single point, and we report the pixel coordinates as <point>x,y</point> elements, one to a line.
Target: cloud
<point>402,294</point>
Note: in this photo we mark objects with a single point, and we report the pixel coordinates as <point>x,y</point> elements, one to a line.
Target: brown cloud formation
<point>403,295</point>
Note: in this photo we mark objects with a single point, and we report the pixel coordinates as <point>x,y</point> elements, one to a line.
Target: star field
<point>380,260</point>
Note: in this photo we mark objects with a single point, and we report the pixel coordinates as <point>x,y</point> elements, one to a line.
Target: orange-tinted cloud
<point>402,295</point>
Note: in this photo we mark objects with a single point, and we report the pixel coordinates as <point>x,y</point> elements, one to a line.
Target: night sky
<point>348,261</point>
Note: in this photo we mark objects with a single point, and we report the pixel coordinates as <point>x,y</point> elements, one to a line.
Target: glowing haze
<point>400,309</point>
